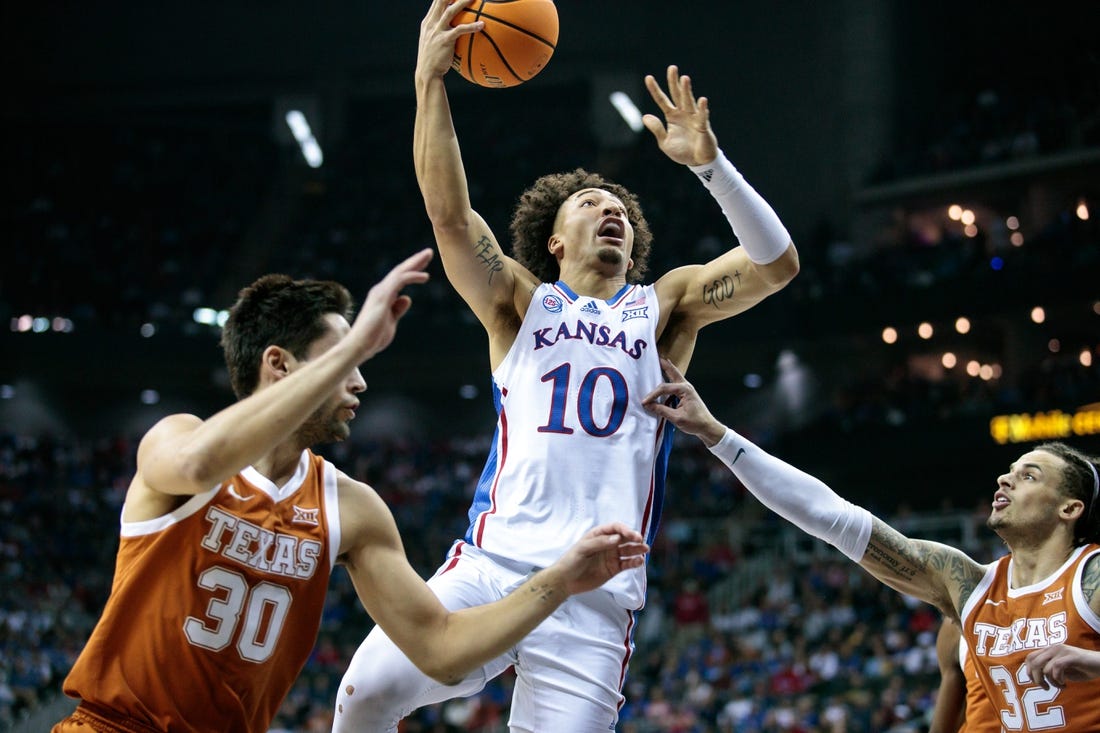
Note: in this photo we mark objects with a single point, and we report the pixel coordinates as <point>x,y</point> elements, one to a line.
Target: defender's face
<point>1029,495</point>
<point>592,223</point>
<point>330,422</point>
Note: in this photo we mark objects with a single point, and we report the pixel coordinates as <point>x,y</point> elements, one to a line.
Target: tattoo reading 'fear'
<point>483,251</point>
<point>721,289</point>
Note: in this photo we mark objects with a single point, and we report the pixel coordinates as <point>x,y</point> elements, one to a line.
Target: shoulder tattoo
<point>1090,580</point>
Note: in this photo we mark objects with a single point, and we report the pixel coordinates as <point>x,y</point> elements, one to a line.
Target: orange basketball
<point>516,43</point>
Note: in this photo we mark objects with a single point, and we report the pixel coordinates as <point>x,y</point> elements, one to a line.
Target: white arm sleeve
<point>754,222</point>
<point>797,496</point>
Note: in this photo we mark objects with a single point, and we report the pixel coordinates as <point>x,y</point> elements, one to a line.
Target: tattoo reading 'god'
<point>721,289</point>
<point>483,251</point>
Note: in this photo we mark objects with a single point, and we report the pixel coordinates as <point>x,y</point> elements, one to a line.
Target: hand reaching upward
<point>685,136</point>
<point>376,324</point>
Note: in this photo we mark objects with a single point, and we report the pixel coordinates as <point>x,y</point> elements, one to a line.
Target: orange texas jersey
<point>1002,625</point>
<point>215,607</point>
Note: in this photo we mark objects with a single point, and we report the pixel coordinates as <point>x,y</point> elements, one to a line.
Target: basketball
<point>516,43</point>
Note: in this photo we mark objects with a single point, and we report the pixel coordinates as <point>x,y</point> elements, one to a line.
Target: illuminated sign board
<point>1053,425</point>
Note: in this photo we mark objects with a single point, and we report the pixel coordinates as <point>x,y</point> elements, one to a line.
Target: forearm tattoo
<point>905,560</point>
<point>721,289</point>
<point>890,550</point>
<point>545,592</point>
<point>488,257</point>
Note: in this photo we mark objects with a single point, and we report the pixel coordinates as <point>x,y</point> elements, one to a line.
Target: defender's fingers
<point>671,371</point>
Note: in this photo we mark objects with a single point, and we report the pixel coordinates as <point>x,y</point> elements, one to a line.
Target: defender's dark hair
<point>1079,482</point>
<point>277,310</point>
<point>533,222</point>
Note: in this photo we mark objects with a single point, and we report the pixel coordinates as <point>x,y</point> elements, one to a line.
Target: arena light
<point>299,128</point>
<point>28,323</point>
<point>210,316</point>
<point>629,111</point>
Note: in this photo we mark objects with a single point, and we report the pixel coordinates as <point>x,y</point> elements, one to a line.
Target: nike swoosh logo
<point>993,603</point>
<point>740,452</point>
<point>235,495</point>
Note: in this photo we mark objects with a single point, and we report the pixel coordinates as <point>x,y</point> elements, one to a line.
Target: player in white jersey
<point>573,347</point>
<point>568,398</point>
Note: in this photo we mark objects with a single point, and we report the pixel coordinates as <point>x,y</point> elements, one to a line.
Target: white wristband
<point>796,496</point>
<point>754,222</point>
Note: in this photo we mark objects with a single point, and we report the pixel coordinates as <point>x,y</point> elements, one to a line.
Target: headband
<point>1095,485</point>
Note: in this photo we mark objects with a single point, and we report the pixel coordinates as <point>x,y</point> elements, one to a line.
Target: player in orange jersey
<point>961,703</point>
<point>1031,619</point>
<point>232,525</point>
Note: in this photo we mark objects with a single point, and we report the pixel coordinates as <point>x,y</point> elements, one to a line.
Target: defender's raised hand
<point>677,401</point>
<point>376,324</point>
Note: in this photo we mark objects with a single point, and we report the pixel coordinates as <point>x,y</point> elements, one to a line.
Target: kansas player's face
<point>330,422</point>
<point>592,225</point>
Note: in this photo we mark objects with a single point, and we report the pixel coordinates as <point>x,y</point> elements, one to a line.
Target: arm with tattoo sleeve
<point>933,572</point>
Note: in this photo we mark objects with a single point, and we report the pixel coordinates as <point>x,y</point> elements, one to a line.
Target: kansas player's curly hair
<point>534,215</point>
<point>1079,481</point>
<point>277,310</point>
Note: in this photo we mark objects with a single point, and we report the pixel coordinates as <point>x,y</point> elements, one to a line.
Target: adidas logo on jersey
<point>591,307</point>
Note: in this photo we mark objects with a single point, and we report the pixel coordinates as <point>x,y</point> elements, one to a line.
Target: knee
<point>372,699</point>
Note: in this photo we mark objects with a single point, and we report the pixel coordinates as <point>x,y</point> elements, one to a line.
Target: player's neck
<point>1034,561</point>
<point>279,464</point>
<point>593,284</point>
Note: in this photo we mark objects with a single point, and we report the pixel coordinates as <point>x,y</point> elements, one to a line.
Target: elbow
<point>441,656</point>
<point>198,467</point>
<point>444,671</point>
<point>443,216</point>
<point>779,272</point>
<point>449,227</point>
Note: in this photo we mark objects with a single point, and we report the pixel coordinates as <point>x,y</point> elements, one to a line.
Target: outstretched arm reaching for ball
<point>476,265</point>
<point>931,571</point>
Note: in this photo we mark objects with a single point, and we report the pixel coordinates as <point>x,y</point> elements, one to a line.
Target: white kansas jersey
<point>573,446</point>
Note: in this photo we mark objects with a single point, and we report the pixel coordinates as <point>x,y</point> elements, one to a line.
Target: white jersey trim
<point>1043,583</point>
<point>266,485</point>
<point>981,590</point>
<point>330,491</point>
<point>156,524</point>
